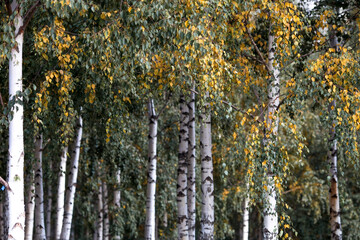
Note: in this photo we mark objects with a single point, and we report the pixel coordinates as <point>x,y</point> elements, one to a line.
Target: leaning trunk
<point>191,192</point>
<point>72,179</point>
<point>335,220</point>
<point>182,172</point>
<point>30,206</point>
<point>39,191</point>
<point>151,169</point>
<point>16,220</point>
<point>61,193</point>
<point>207,179</point>
<point>270,229</point>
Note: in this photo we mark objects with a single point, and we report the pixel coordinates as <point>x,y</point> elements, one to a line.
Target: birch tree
<point>30,206</point>
<point>117,198</point>
<point>151,170</point>
<point>182,171</point>
<point>72,181</point>
<point>106,211</point>
<point>61,193</point>
<point>191,191</point>
<point>39,190</point>
<point>207,178</point>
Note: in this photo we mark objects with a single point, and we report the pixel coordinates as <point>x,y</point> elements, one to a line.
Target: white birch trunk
<point>151,169</point>
<point>106,211</point>
<point>30,206</point>
<point>245,232</point>
<point>61,194</point>
<point>207,179</point>
<point>100,218</point>
<point>72,179</point>
<point>335,213</point>
<point>183,233</point>
<point>117,199</point>
<point>48,209</point>
<point>270,229</point>
<point>191,191</point>
<point>16,220</point>
<point>39,191</point>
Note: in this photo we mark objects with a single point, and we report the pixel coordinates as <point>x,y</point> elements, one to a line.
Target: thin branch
<point>28,17</point>
<point>5,184</point>
<point>165,105</point>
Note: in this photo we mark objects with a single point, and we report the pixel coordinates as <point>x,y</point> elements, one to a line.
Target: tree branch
<point>28,16</point>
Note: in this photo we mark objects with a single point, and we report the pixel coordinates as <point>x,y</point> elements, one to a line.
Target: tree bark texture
<point>106,211</point>
<point>191,191</point>
<point>151,169</point>
<point>16,219</point>
<point>39,191</point>
<point>100,218</point>
<point>245,231</point>
<point>270,229</point>
<point>207,179</point>
<point>61,193</point>
<point>182,220</point>
<point>72,180</point>
<point>117,200</point>
<point>48,208</point>
<point>30,206</point>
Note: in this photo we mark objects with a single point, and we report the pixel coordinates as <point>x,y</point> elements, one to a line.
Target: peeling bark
<point>151,170</point>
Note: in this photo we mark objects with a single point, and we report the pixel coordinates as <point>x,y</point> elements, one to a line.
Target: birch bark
<point>30,206</point>
<point>106,211</point>
<point>100,219</point>
<point>183,233</point>
<point>61,193</point>
<point>39,191</point>
<point>335,220</point>
<point>16,220</point>
<point>191,191</point>
<point>48,208</point>
<point>117,198</point>
<point>207,179</point>
<point>72,179</point>
<point>270,229</point>
<point>151,169</point>
<point>245,231</point>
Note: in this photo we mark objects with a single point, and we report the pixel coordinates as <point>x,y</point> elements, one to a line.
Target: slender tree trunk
<point>151,182</point>
<point>39,191</point>
<point>49,208</point>
<point>207,179</point>
<point>72,179</point>
<point>2,223</point>
<point>182,172</point>
<point>245,231</point>
<point>30,206</point>
<point>106,211</point>
<point>270,229</point>
<point>117,200</point>
<point>16,220</point>
<point>61,193</point>
<point>100,219</point>
<point>191,191</point>
<point>335,213</point>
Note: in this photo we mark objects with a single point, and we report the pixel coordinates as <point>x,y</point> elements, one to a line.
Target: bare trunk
<point>207,179</point>
<point>117,199</point>
<point>100,218</point>
<point>72,179</point>
<point>151,181</point>
<point>30,206</point>
<point>335,213</point>
<point>61,194</point>
<point>270,229</point>
<point>182,172</point>
<point>191,191</point>
<point>106,211</point>
<point>16,220</point>
<point>245,229</point>
<point>48,209</point>
<point>39,196</point>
